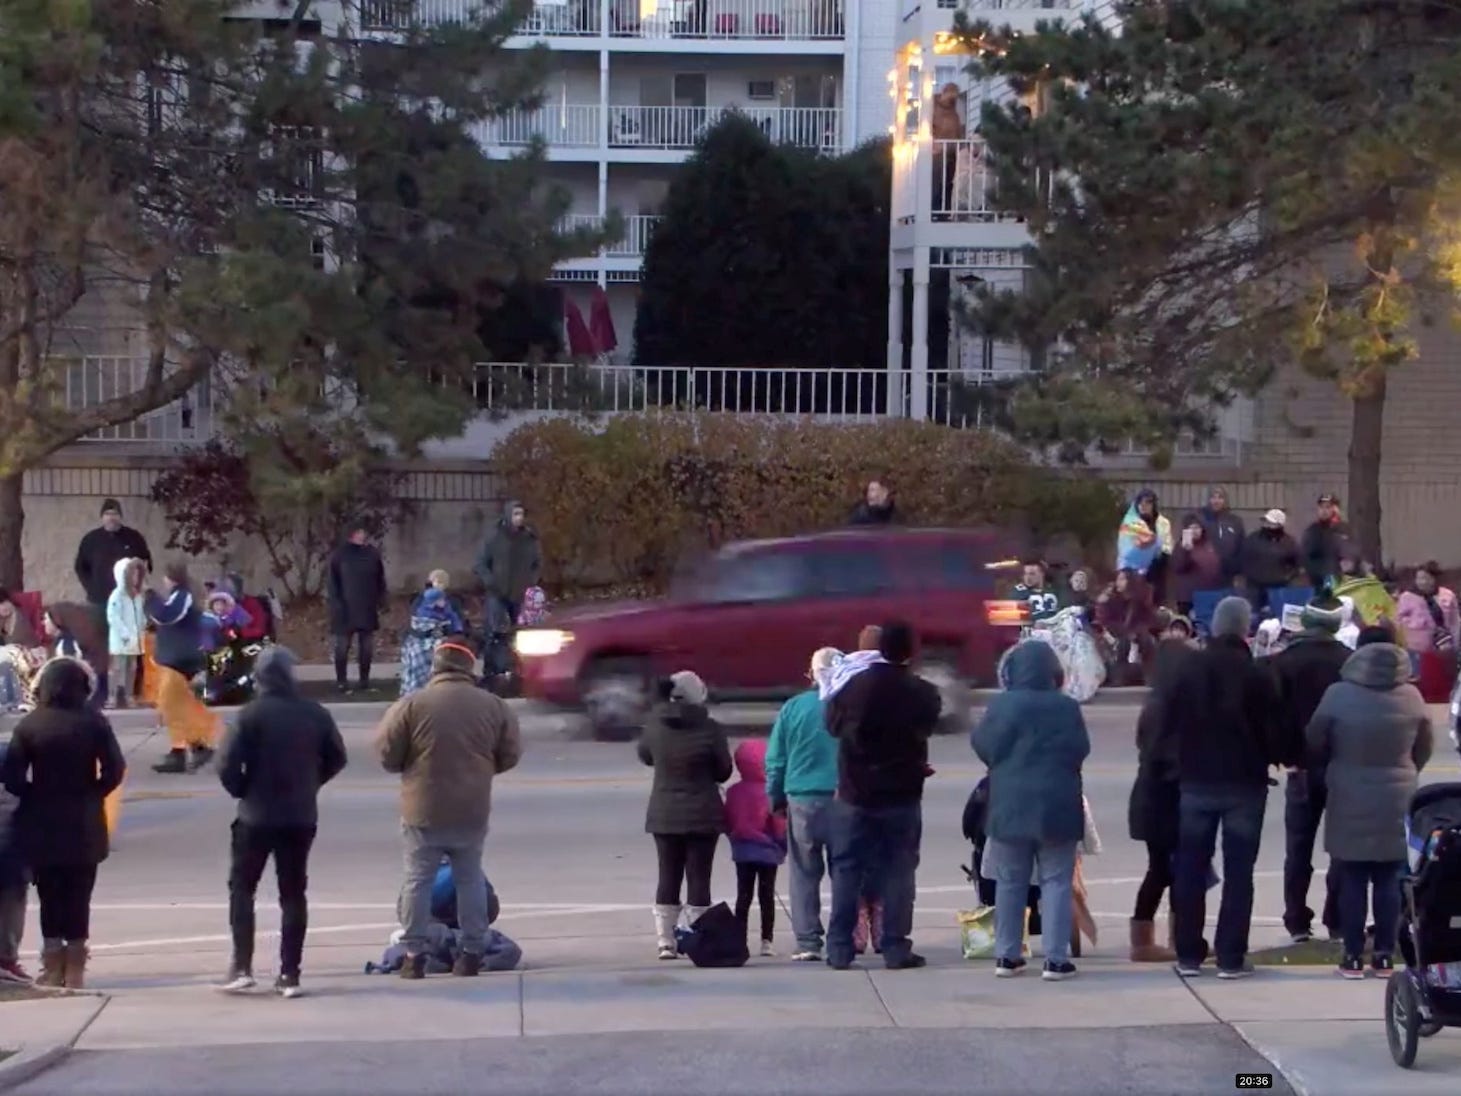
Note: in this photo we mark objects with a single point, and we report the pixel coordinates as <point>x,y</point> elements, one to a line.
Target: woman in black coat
<point>686,815</point>
<point>1153,813</point>
<point>62,763</point>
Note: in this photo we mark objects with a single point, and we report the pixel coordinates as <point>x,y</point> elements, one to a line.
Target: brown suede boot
<point>53,965</point>
<point>76,956</point>
<point>1144,948</point>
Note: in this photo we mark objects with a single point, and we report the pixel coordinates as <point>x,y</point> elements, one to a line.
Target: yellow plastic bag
<point>976,933</point>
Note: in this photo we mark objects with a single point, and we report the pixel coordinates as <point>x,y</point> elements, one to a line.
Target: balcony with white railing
<point>631,245</point>
<point>94,380</point>
<point>568,126</point>
<point>687,20</point>
<point>980,6</point>
<point>657,127</point>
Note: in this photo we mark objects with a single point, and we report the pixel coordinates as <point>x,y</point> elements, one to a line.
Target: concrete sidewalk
<point>1324,1036</point>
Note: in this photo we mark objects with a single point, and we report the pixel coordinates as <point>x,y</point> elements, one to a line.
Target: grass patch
<point>1311,953</point>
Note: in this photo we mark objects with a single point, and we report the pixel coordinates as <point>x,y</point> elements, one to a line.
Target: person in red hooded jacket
<point>757,838</point>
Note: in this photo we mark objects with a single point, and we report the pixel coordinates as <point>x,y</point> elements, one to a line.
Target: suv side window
<point>844,572</point>
<point>757,577</point>
<point>951,567</point>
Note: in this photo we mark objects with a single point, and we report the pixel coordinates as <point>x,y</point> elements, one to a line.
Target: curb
<point>28,1062</point>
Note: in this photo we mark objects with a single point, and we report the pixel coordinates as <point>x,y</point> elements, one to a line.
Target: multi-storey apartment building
<point>635,83</point>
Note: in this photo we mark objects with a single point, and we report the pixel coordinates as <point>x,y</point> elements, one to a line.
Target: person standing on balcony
<point>946,125</point>
<point>97,557</point>
<point>357,590</point>
<point>877,506</point>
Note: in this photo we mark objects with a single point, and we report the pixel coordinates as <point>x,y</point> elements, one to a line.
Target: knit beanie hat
<point>1325,616</point>
<point>688,688</point>
<point>1232,617</point>
<point>453,658</point>
<point>111,506</point>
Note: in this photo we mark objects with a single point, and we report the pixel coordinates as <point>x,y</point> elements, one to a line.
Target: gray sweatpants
<point>423,850</point>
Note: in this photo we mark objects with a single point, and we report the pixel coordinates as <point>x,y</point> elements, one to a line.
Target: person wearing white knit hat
<point>1270,560</point>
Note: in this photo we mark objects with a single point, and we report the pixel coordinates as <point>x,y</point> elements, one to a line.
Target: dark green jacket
<point>1033,738</point>
<point>510,560</point>
<point>691,759</point>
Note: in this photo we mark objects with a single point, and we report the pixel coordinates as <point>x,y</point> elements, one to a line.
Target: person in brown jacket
<point>447,742</point>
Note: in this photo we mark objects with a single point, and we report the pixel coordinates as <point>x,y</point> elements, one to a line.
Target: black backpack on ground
<point>717,939</point>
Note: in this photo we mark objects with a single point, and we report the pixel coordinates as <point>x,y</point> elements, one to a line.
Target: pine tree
<point>300,213</point>
<point>1218,189</point>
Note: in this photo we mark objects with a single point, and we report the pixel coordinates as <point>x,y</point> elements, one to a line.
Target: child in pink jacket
<point>757,839</point>
<point>1429,616</point>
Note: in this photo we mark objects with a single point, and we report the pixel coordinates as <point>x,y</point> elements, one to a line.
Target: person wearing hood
<point>62,763</point>
<point>191,727</point>
<point>1225,728</point>
<point>757,840</point>
<point>1270,560</point>
<point>1144,543</point>
<point>801,779</point>
<point>1196,565</point>
<point>126,624</point>
<point>1304,670</point>
<point>282,750</point>
<point>357,591</point>
<point>1324,541</point>
<point>433,618</point>
<point>1372,733</point>
<point>876,507</point>
<point>1034,740</point>
<point>882,718</point>
<point>1225,532</point>
<point>511,560</point>
<point>691,759</point>
<point>448,742</point>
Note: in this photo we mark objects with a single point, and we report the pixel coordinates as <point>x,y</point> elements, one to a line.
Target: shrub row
<point>620,501</point>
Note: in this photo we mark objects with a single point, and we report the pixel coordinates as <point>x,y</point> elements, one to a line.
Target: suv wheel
<point>616,698</point>
<point>940,670</point>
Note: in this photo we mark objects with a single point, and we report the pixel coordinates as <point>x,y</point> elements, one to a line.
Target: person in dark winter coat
<point>877,506</point>
<point>14,883</point>
<point>691,759</point>
<point>511,560</point>
<point>1324,542</point>
<point>1372,732</point>
<point>1225,533</point>
<point>882,719</point>
<point>96,560</point>
<point>178,620</point>
<point>1154,810</point>
<point>276,759</point>
<point>1196,565</point>
<point>1033,738</point>
<point>1304,670</point>
<point>1270,560</point>
<point>1224,726</point>
<point>62,763</point>
<point>357,590</point>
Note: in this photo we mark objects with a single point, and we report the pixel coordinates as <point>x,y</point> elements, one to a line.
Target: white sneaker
<point>668,953</point>
<point>806,955</point>
<point>767,951</point>
<point>239,981</point>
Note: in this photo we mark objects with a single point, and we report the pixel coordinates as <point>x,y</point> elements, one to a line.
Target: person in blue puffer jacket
<point>178,618</point>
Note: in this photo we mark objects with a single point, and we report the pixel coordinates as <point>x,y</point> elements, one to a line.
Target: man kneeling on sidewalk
<point>283,749</point>
<point>447,742</point>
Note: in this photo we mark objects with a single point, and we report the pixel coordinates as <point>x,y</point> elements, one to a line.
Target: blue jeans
<point>806,840</point>
<point>1014,864</point>
<point>1239,811</point>
<point>880,843</point>
<point>1356,880</point>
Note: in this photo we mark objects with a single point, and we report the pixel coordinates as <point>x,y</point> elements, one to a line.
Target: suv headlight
<point>541,642</point>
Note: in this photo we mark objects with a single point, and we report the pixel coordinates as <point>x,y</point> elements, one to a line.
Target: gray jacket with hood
<point>282,750</point>
<point>1373,733</point>
<point>510,560</point>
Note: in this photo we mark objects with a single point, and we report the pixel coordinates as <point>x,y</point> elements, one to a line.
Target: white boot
<point>666,920</point>
<point>694,913</point>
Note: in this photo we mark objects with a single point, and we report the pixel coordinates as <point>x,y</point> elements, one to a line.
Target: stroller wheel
<point>1402,1019</point>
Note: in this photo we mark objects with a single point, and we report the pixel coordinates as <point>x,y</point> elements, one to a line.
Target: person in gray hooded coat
<point>511,560</point>
<point>1372,733</point>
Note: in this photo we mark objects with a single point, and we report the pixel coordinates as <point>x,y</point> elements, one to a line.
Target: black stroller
<point>1425,996</point>
<point>228,679</point>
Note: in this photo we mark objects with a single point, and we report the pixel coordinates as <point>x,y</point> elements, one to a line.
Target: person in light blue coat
<point>1034,740</point>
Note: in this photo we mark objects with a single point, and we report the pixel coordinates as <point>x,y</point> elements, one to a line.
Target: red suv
<point>748,617</point>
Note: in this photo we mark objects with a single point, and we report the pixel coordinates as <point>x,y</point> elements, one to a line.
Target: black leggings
<point>1158,878</point>
<point>65,894</point>
<point>688,857</point>
<point>760,879</point>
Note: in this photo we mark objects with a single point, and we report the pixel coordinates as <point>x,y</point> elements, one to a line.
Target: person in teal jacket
<point>801,779</point>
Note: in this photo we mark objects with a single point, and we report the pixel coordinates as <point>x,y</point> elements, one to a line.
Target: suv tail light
<point>1007,613</point>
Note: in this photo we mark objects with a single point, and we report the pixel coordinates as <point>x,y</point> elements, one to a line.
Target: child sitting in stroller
<point>229,677</point>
